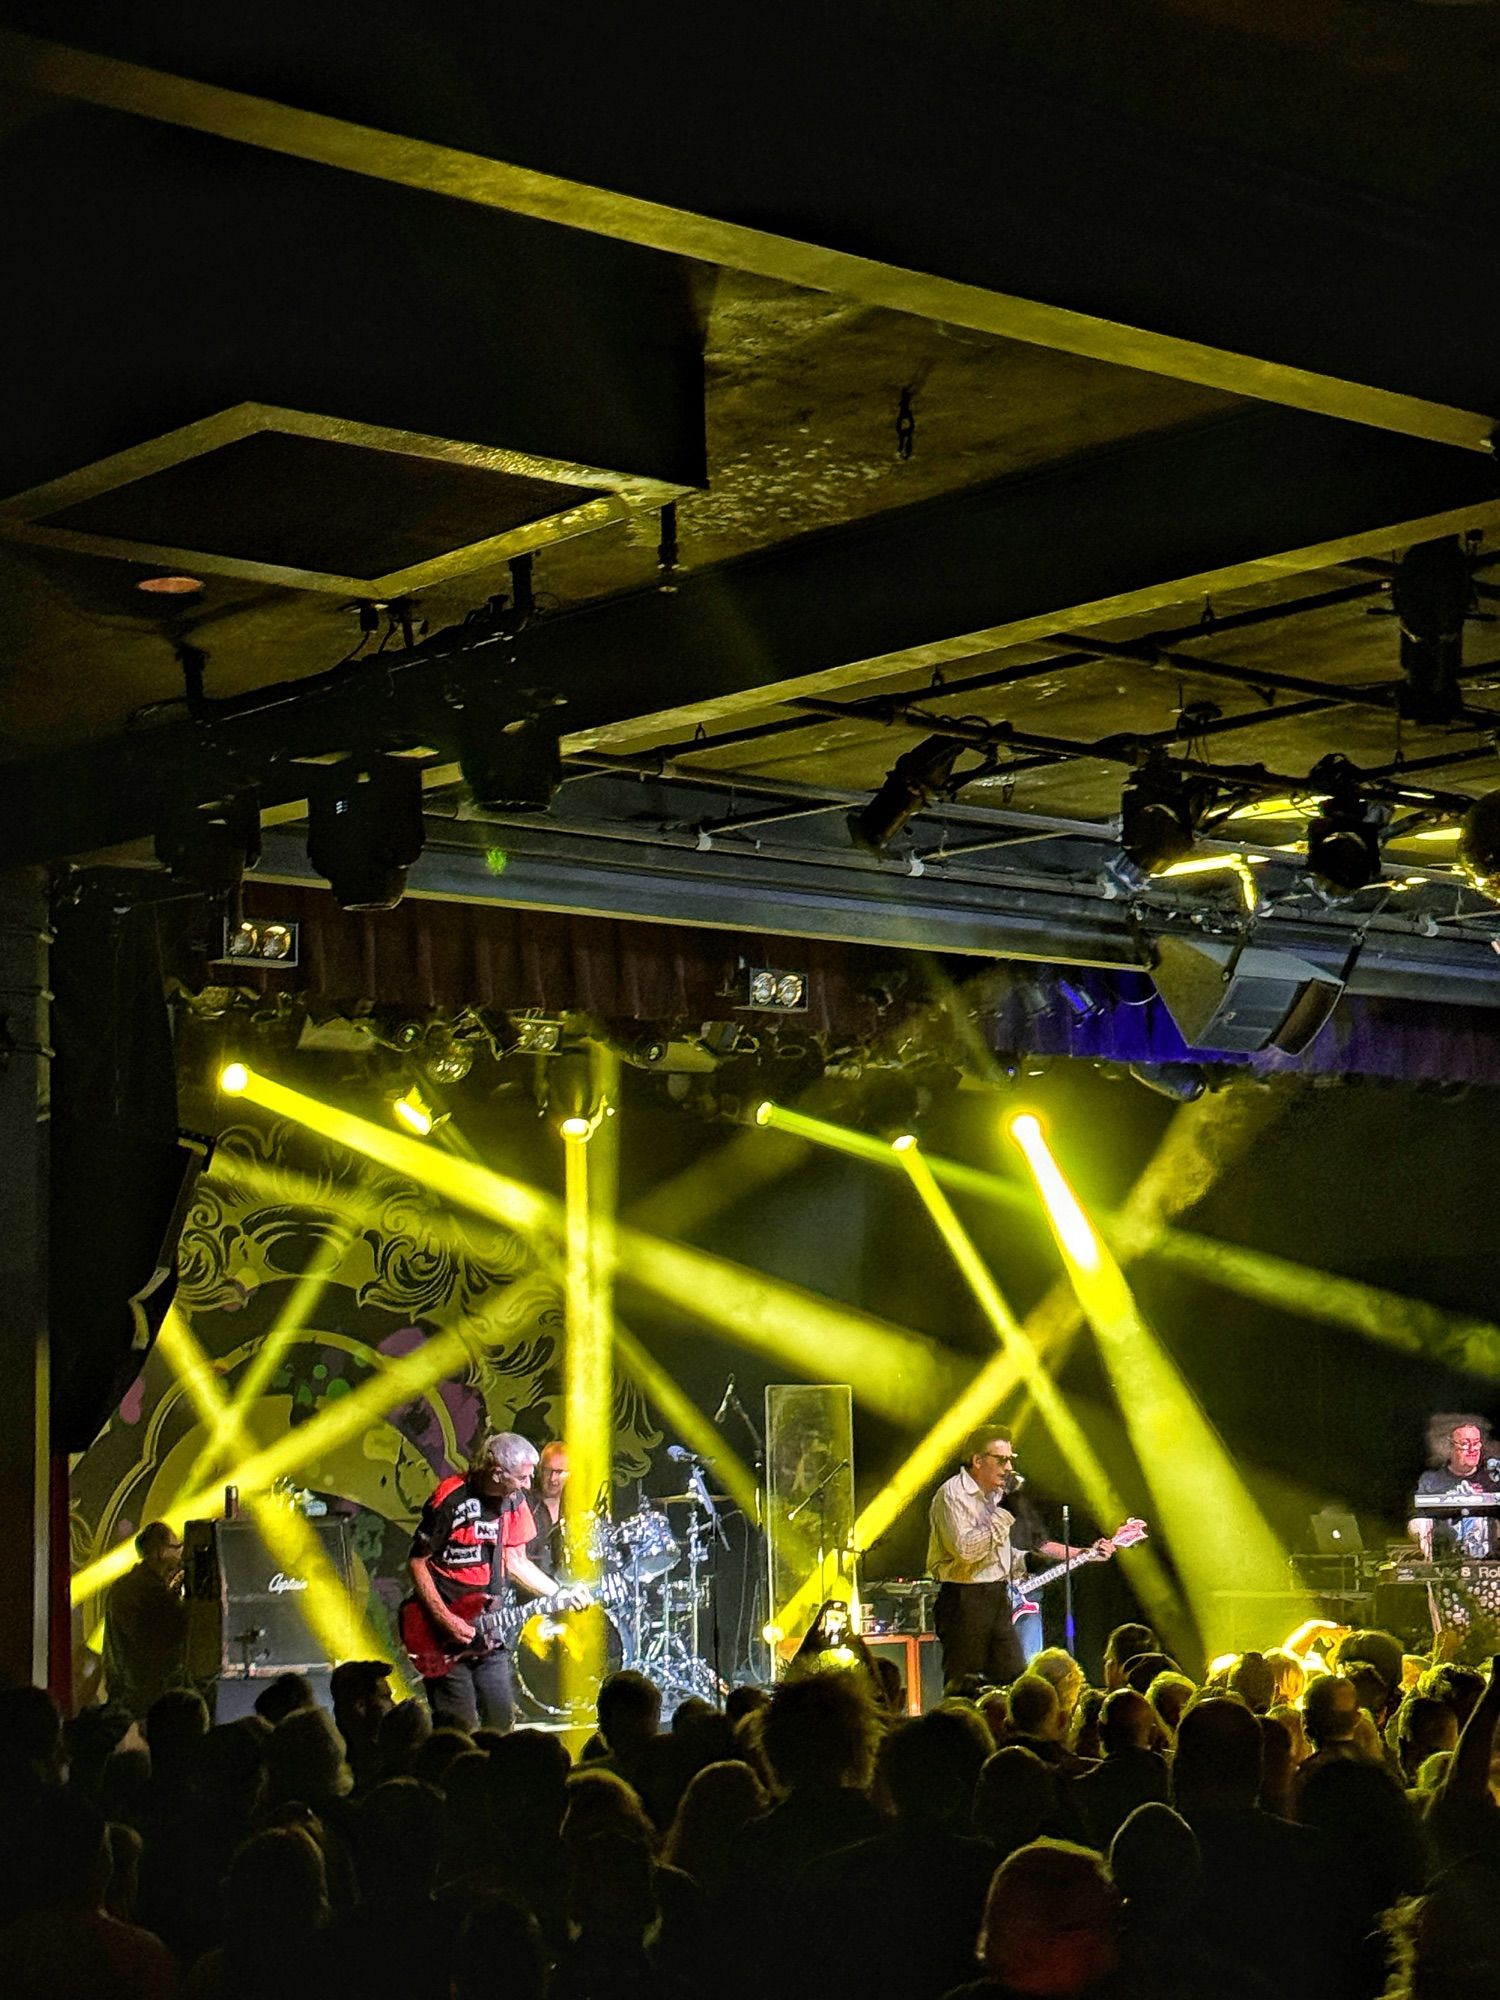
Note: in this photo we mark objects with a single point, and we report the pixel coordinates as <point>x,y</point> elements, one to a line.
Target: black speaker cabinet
<point>1240,999</point>
<point>245,1609</point>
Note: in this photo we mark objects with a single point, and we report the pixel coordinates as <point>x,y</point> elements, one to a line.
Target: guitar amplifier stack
<point>245,1609</point>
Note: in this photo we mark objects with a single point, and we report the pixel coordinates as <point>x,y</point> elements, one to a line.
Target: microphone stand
<point>820,1494</point>
<point>1068,1580</point>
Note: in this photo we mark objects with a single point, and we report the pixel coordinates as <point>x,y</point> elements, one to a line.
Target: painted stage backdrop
<point>340,1266</point>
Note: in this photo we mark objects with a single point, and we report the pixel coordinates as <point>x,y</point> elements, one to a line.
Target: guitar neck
<point>1046,1576</point>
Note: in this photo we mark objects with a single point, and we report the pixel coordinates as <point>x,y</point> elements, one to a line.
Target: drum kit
<point>644,1615</point>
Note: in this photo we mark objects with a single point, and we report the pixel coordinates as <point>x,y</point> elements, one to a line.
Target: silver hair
<point>506,1449</point>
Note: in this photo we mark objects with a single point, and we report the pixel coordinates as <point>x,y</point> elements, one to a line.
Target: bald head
<point>1127,1722</point>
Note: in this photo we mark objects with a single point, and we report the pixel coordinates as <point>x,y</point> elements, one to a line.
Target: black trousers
<point>474,1693</point>
<point>976,1633</point>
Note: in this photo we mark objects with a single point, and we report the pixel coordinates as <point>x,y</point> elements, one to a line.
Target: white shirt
<point>970,1538</point>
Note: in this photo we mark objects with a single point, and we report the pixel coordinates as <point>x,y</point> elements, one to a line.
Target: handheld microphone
<point>724,1401</point>
<point>683,1456</point>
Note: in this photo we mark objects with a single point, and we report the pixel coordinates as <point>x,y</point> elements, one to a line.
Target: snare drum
<point>560,1659</point>
<point>647,1546</point>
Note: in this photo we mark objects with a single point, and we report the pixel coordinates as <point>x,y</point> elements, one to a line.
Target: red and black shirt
<point>458,1533</point>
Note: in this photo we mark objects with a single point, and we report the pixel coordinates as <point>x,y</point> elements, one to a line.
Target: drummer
<point>547,1548</point>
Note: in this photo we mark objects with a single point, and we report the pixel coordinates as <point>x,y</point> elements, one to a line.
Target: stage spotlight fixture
<point>576,1128</point>
<point>1161,809</point>
<point>1343,840</point>
<point>259,941</point>
<point>1081,998</point>
<point>903,1142</point>
<point>411,1109</point>
<point>913,781</point>
<point>1479,846</point>
<point>775,990</point>
<point>212,846</point>
<point>446,1060</point>
<point>512,765</point>
<point>765,1111</point>
<point>364,829</point>
<point>233,1078</point>
<point>535,1036</point>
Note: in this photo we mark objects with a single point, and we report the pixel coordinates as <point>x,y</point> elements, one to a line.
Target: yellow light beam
<point>892,1369</point>
<point>289,1323</point>
<point>689,1422</point>
<point>329,1609</point>
<point>1219,1539</point>
<point>403,1378</point>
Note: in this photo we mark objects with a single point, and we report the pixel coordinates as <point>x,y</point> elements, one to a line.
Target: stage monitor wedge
<point>1239,1000</point>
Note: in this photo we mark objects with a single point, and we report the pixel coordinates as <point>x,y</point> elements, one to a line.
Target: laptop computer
<point>1336,1533</point>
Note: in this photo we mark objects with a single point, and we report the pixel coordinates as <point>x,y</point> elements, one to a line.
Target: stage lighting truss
<point>1161,810</point>
<point>261,941</point>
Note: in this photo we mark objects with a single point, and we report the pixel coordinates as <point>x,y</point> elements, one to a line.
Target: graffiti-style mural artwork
<point>303,1271</point>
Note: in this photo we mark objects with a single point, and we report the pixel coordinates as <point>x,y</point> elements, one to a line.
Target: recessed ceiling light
<point>170,586</point>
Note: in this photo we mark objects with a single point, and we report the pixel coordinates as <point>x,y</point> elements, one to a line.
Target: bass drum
<point>560,1659</point>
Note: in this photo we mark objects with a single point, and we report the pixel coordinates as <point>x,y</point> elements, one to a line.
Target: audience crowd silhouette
<point>1308,1828</point>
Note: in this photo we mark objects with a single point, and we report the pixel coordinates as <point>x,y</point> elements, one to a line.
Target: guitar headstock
<point>1129,1533</point>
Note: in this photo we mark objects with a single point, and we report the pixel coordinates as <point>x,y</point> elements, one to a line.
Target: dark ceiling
<point>1068,380</point>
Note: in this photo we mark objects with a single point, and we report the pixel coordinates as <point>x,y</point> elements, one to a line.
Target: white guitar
<point>1124,1537</point>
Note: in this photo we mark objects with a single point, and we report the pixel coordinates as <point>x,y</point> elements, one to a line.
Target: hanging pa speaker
<point>1237,999</point>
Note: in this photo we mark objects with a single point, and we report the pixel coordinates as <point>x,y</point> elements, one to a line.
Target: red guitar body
<point>432,1650</point>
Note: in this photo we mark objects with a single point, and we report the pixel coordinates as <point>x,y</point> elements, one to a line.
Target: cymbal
<point>683,1499</point>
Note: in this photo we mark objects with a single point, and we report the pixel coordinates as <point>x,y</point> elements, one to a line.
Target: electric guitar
<point>1124,1537</point>
<point>432,1649</point>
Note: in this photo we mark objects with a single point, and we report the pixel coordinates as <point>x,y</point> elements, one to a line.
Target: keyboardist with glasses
<point>1463,1464</point>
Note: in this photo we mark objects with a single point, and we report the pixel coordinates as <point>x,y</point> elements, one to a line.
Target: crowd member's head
<point>399,1736</point>
<point>124,1848</point>
<point>361,1694</point>
<point>1144,1668</point>
<point>275,1896</point>
<point>1373,1661</point>
<point>1217,1759</point>
<point>398,1836</point>
<point>1253,1679</point>
<point>1458,1685</point>
<point>629,1713</point>
<point>930,1764</point>
<point>1083,1730</point>
<point>1459,1441</point>
<point>529,1775</point>
<point>1169,1694</point>
<point>31,1739</point>
<point>1156,1866</point>
<point>438,1753</point>
<point>1424,1725</point>
<point>176,1724</point>
<point>1034,1708</point>
<point>743,1701</point>
<point>160,1550</point>
<point>1330,1711</point>
<point>90,1739</point>
<point>719,1800</point>
<point>821,1734</point>
<point>1067,1677</point>
<point>229,1772</point>
<point>283,1697</point>
<point>305,1758</point>
<point>1123,1645</point>
<point>601,1802</point>
<point>500,1932</point>
<point>612,1891</point>
<point>63,1858</point>
<point>1127,1722</point>
<point>892,1688</point>
<point>1014,1798</point>
<point>1051,1921</point>
<point>1288,1677</point>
